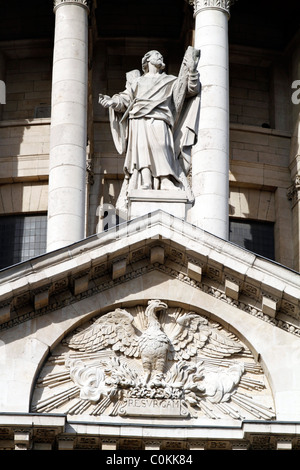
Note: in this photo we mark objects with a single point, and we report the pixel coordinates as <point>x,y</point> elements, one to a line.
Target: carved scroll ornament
<point>157,362</point>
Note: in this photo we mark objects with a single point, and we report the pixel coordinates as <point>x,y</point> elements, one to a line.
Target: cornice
<point>163,243</point>
<point>50,431</point>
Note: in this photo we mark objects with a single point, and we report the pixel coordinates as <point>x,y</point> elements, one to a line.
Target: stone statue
<point>149,123</point>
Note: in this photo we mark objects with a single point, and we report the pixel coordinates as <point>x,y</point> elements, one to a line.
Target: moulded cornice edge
<point>192,255</point>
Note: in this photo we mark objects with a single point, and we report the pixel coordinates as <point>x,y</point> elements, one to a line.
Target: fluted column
<point>210,168</point>
<point>68,138</point>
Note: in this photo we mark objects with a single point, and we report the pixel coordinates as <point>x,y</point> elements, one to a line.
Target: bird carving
<point>189,335</point>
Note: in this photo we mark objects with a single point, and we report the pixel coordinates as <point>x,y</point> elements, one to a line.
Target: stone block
<point>152,445</point>
<point>41,299</point>
<point>157,255</point>
<point>65,445</point>
<point>194,271</point>
<point>142,202</point>
<point>81,284</point>
<point>109,445</point>
<point>5,313</point>
<point>232,289</point>
<point>42,446</point>
<point>269,306</point>
<point>119,268</point>
<point>284,445</point>
<point>22,438</point>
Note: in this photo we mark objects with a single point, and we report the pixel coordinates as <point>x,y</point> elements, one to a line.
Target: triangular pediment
<point>157,242</point>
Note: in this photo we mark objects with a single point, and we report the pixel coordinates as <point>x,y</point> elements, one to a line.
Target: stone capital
<point>83,3</point>
<point>223,5</point>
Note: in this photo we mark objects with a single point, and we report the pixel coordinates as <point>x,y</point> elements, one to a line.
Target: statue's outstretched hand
<point>106,101</point>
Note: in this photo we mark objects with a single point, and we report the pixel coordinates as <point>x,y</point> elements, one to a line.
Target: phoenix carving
<point>153,360</point>
<point>191,335</point>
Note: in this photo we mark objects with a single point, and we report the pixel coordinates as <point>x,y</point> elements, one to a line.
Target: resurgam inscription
<point>153,361</point>
<point>153,407</point>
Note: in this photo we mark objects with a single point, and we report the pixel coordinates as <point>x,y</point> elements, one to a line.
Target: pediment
<point>157,242</point>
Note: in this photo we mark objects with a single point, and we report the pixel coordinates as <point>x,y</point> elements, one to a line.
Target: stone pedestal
<point>141,202</point>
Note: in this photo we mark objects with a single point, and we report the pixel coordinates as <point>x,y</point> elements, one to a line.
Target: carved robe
<point>148,104</point>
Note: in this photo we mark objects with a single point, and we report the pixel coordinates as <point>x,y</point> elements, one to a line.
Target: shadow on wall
<point>24,152</point>
<point>254,235</point>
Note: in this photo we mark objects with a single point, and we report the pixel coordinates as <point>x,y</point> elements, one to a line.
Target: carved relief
<point>155,361</point>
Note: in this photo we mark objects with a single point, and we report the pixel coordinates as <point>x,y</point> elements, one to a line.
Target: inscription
<point>154,407</point>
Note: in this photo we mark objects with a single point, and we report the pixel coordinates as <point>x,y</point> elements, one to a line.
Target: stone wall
<point>260,178</point>
<point>249,94</point>
<point>24,150</point>
<point>28,88</point>
<point>23,198</point>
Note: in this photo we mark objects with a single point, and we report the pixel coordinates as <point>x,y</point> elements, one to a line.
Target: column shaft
<point>68,138</point>
<point>210,168</point>
<point>2,83</point>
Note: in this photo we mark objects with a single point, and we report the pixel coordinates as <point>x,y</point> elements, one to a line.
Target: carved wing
<point>114,330</point>
<point>193,336</point>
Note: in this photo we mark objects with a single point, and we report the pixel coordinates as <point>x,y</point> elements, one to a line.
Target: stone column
<point>68,138</point>
<point>210,161</point>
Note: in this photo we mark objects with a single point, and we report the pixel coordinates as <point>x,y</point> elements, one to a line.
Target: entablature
<point>53,432</point>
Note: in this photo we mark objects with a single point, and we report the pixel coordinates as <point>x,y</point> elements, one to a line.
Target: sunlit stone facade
<point>210,281</point>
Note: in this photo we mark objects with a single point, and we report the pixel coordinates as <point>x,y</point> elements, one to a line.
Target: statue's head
<point>155,58</point>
